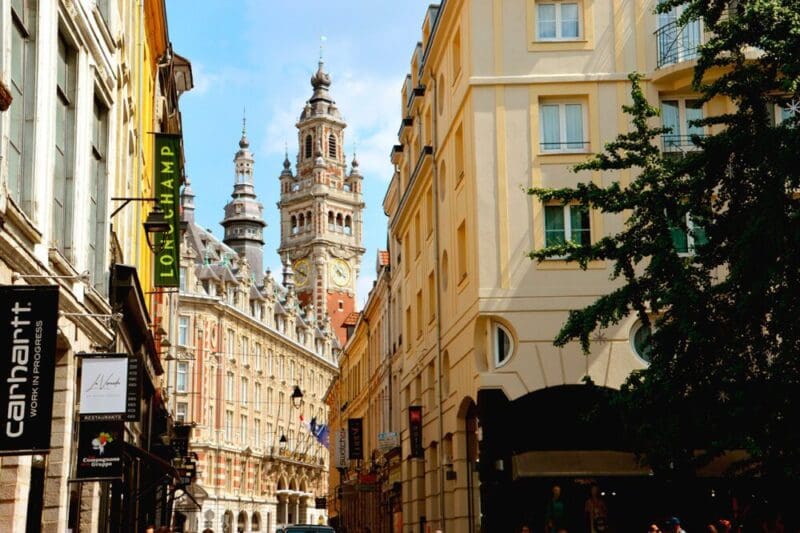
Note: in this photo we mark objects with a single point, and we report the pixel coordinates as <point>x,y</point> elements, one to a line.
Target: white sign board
<point>388,440</point>
<point>340,449</point>
<point>104,385</point>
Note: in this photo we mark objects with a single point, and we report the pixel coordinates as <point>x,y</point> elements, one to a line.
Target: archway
<point>255,522</point>
<point>241,522</point>
<point>227,522</point>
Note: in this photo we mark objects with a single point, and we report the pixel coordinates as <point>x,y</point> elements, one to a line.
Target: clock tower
<point>321,205</point>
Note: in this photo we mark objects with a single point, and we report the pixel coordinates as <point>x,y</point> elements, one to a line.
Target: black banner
<point>355,438</point>
<point>321,503</point>
<point>415,431</point>
<point>28,327</point>
<point>100,450</point>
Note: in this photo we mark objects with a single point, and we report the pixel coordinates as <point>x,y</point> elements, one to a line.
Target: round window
<point>503,345</point>
<point>640,339</point>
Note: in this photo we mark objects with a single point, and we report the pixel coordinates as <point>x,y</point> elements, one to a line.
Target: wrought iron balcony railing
<point>676,43</point>
<point>679,143</point>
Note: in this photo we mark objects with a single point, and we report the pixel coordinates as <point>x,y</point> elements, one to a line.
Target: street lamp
<point>282,443</point>
<point>297,397</point>
<point>155,223</point>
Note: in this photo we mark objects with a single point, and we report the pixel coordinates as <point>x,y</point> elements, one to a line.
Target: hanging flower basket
<point>5,97</point>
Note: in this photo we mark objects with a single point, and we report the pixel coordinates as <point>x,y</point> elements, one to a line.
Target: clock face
<point>301,272</point>
<point>340,272</point>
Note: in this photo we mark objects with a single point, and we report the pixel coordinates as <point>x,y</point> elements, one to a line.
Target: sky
<point>256,57</point>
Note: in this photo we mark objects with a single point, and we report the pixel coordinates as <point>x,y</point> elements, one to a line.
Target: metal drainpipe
<point>437,269</point>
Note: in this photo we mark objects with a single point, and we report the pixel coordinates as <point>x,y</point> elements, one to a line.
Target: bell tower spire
<point>321,205</point>
<point>244,214</point>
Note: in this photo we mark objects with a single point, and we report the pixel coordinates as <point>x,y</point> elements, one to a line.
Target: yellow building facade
<point>502,96</point>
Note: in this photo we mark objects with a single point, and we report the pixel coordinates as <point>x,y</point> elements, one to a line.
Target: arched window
<point>640,340</point>
<point>294,224</point>
<point>332,146</point>
<point>308,221</point>
<point>339,222</point>
<point>330,221</point>
<point>348,225</point>
<point>503,344</point>
<point>309,146</point>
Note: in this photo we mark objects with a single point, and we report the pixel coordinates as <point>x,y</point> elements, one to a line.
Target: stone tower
<point>244,215</point>
<point>321,205</point>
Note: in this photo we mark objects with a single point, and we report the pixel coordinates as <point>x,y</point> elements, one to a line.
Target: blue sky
<point>259,55</point>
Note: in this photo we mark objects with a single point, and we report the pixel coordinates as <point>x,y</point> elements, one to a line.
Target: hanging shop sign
<point>415,431</point>
<point>168,183</point>
<point>28,329</point>
<point>100,450</point>
<point>388,440</point>
<point>355,438</point>
<point>109,387</point>
<point>340,449</point>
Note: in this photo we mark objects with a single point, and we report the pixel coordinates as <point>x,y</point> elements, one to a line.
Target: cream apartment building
<point>503,95</point>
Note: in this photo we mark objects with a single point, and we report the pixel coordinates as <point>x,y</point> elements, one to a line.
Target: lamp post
<point>155,223</point>
<point>297,397</point>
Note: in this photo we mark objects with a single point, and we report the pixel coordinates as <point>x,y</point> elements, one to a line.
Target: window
<point>245,350</point>
<point>675,43</point>
<point>229,469</point>
<point>640,341</point>
<point>243,428</point>
<point>270,404</point>
<point>786,111</point>
<point>332,146</point>
<point>503,345</point>
<point>686,240</point>
<point>420,313</point>
<point>22,84</point>
<point>230,344</point>
<point>678,115</point>
<point>64,171</point>
<point>257,396</point>
<point>408,327</point>
<point>331,224</point>
<point>562,127</point>
<point>229,386</point>
<point>431,297</point>
<point>417,235</point>
<point>183,331</point>
<point>445,270</point>
<point>243,392</point>
<point>229,428</point>
<point>270,357</point>
<point>182,377</point>
<point>462,250</point>
<point>294,225</point>
<point>257,351</point>
<point>181,410</point>
<point>182,281</point>
<point>348,225</point>
<point>98,188</point>
<point>459,142</point>
<point>440,94</point>
<point>564,223</point>
<point>557,21</point>
<point>257,435</point>
<point>309,146</point>
<point>456,49</point>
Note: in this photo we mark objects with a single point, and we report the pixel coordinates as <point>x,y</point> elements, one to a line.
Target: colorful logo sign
<point>100,450</point>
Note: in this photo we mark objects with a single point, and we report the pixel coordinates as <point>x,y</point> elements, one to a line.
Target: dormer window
<point>332,146</point>
<point>309,147</point>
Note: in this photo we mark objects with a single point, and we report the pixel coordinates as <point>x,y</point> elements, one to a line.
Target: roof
<point>351,319</point>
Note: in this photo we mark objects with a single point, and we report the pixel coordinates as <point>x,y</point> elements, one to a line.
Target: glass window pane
<point>694,111</point>
<point>569,20</point>
<point>579,225</point>
<point>551,135</point>
<point>574,126</point>
<point>641,342</point>
<point>670,118</point>
<point>546,21</point>
<point>553,225</point>
<point>699,237</point>
<point>679,240</point>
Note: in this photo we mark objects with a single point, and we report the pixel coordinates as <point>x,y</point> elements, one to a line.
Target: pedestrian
<point>595,511</point>
<point>711,528</point>
<point>524,529</point>
<point>673,525</point>
<point>555,517</point>
<point>654,528</point>
<point>723,525</point>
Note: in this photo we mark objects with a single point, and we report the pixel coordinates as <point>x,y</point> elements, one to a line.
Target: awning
<point>574,463</point>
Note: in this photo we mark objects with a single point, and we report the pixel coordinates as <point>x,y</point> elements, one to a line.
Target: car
<point>304,528</point>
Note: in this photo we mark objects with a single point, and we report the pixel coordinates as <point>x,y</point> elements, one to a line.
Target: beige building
<point>504,95</point>
<point>243,351</point>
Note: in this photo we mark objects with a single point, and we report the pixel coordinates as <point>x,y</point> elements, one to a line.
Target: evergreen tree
<point>725,343</point>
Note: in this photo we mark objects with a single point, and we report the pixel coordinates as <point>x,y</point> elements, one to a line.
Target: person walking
<point>673,525</point>
<point>595,511</point>
<point>555,518</point>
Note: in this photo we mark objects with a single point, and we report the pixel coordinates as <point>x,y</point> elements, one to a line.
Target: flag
<point>320,432</point>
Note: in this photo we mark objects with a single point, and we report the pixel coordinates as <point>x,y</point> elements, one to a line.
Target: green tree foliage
<point>725,348</point>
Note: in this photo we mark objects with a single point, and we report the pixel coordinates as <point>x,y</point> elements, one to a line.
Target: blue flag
<point>320,432</point>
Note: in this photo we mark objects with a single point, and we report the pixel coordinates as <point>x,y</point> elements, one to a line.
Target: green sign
<point>168,184</point>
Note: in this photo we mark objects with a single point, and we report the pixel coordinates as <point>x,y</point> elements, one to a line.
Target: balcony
<point>676,43</point>
<point>678,144</point>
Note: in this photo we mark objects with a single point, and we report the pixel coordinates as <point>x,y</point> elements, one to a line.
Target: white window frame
<point>229,425</point>
<point>257,433</point>
<point>780,108</point>
<point>243,386</point>
<point>181,411</point>
<point>683,126</point>
<point>229,385</point>
<point>257,396</point>
<point>562,127</point>
<point>496,328</point>
<point>567,224</point>
<point>559,37</point>
<point>183,330</point>
<point>182,371</point>
<point>632,339</point>
<point>243,428</point>
<point>690,225</point>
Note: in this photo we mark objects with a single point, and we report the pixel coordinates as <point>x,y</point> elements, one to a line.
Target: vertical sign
<point>341,449</point>
<point>132,402</point>
<point>100,450</point>
<point>28,326</point>
<point>415,431</point>
<point>355,441</point>
<point>168,183</point>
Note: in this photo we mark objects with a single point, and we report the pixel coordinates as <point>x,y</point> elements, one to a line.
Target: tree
<point>725,343</point>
